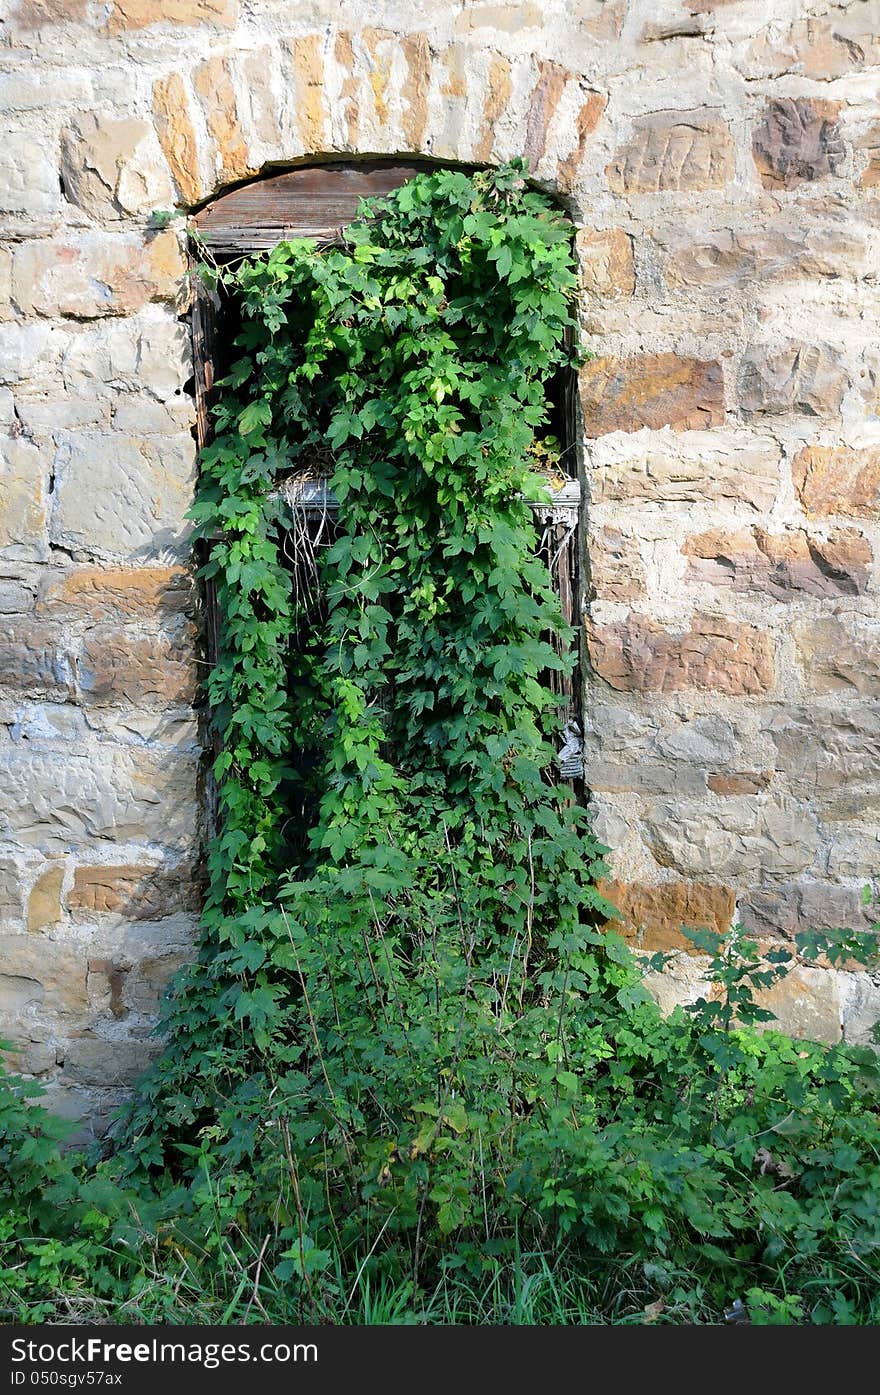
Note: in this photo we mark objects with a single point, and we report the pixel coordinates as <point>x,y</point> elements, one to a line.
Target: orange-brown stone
<point>177,135</point>
<point>714,655</point>
<point>141,891</point>
<point>111,593</point>
<point>652,916</point>
<point>138,14</point>
<point>838,480</point>
<point>213,82</point>
<point>782,565</point>
<point>651,390</point>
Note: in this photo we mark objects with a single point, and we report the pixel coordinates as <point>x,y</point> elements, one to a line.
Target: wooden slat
<point>308,202</point>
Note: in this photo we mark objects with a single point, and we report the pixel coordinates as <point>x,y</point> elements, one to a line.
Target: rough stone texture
<point>785,566</point>
<point>805,1002</point>
<point>651,390</point>
<point>721,168</point>
<point>653,916</point>
<point>606,263</point>
<point>794,377</point>
<point>114,167</point>
<point>674,150</point>
<point>744,837</point>
<point>797,141</point>
<point>715,654</point>
<point>139,892</point>
<point>840,654</point>
<point>832,480</point>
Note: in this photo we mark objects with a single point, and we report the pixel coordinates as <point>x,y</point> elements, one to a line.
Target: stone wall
<point>721,160</point>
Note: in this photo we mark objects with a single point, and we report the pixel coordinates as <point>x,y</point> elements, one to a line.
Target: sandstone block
<point>44,901</point>
<point>651,390</point>
<point>805,1004</point>
<point>823,749</point>
<point>30,353</point>
<point>792,378</point>
<point>785,566</point>
<point>42,974</point>
<point>838,480</point>
<point>652,916</point>
<point>617,572</point>
<point>56,799</point>
<point>823,47</point>
<point>141,891</point>
<point>782,249</point>
<point>679,151</point>
<point>106,983</point>
<point>115,593</point>
<point>682,981</point>
<point>138,14</point>
<point>149,980</point>
<point>95,274</point>
<point>112,167</point>
<point>115,667</point>
<point>810,905</point>
<point>33,660</point>
<point>22,502</point>
<point>119,495</point>
<point>750,783</point>
<point>177,135</point>
<point>28,175</point>
<point>751,837</point>
<point>149,352</point>
<point>797,141</point>
<point>715,655</point>
<point>686,468</point>
<point>606,262</point>
<point>840,654</point>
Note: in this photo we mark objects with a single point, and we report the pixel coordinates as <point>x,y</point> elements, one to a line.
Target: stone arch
<point>246,110</point>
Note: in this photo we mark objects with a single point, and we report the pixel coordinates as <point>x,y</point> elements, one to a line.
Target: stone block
<point>91,1060</point>
<point>69,797</point>
<point>41,974</point>
<point>805,1004</point>
<point>23,513</point>
<point>652,390</point>
<point>691,468</point>
<point>113,167</point>
<point>786,911</point>
<point>786,566</point>
<point>792,377</point>
<point>822,749</point>
<point>95,274</point>
<point>760,836</point>
<point>28,175</point>
<point>679,151</point>
<point>840,654</point>
<point>746,256</point>
<point>34,660</point>
<point>115,593</point>
<point>617,572</point>
<point>652,916</point>
<point>605,260</point>
<point>44,902</point>
<point>115,667</point>
<point>122,496</point>
<point>797,141</point>
<point>143,891</point>
<point>714,655</point>
<point>832,480</point>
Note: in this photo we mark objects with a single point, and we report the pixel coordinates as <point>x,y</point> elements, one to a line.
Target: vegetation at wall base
<point>413,1076</point>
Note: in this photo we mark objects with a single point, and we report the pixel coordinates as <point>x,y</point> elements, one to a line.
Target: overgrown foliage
<point>411,1060</point>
